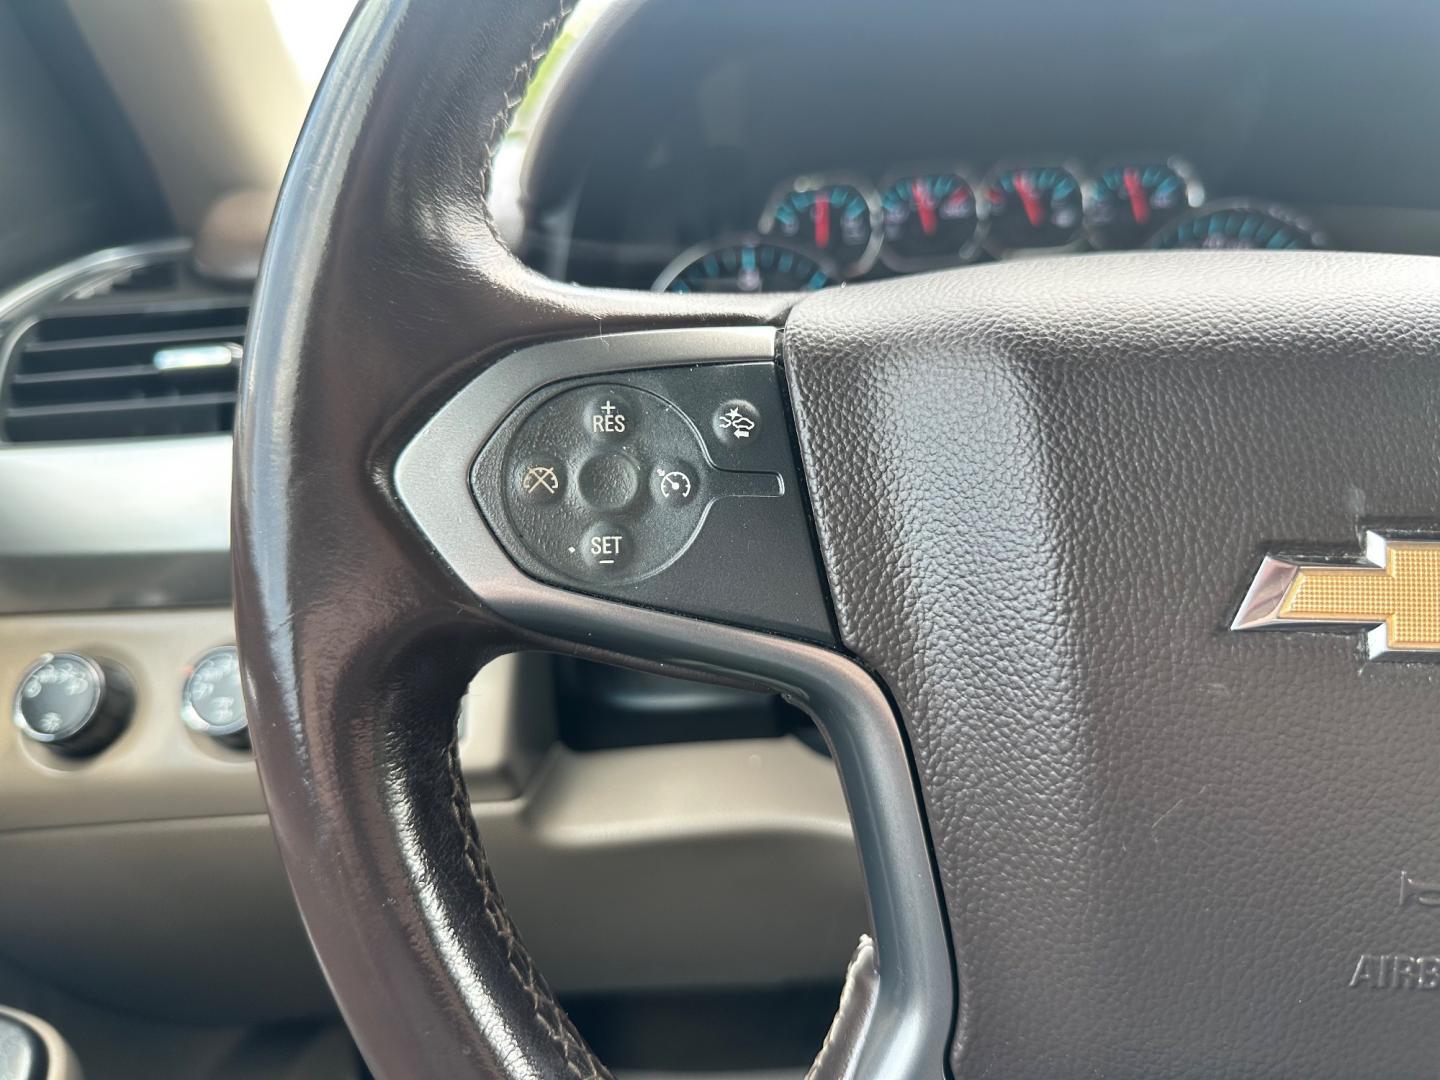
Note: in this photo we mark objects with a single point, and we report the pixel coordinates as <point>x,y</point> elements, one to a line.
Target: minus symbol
<point>607,562</point>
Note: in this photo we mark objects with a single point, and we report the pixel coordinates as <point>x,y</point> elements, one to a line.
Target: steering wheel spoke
<point>490,461</point>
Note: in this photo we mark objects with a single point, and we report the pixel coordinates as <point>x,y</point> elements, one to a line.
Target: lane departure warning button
<point>736,423</point>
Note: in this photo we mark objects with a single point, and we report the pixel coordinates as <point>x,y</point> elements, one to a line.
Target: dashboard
<point>796,147</point>
<point>747,146</point>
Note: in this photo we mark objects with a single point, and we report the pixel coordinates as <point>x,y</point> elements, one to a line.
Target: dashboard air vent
<point>117,366</point>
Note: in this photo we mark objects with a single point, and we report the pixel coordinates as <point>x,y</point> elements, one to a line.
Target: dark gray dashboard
<point>680,120</point>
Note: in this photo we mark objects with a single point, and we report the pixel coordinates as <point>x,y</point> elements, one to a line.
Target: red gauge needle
<point>925,204</point>
<point>1033,209</point>
<point>822,220</point>
<point>1139,204</point>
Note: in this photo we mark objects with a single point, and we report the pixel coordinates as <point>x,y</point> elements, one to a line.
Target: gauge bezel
<point>1194,192</point>
<point>191,716</point>
<point>676,266</point>
<point>905,264</point>
<point>100,682</point>
<point>1295,219</point>
<point>811,181</point>
<point>1077,173</point>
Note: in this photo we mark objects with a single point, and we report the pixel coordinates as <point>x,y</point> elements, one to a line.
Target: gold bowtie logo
<point>1394,591</point>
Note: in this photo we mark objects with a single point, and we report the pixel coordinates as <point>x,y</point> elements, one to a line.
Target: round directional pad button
<point>609,481</point>
<point>600,482</point>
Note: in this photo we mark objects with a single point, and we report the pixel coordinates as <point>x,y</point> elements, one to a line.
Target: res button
<point>610,416</point>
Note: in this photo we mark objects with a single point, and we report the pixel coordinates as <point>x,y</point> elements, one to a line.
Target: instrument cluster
<point>823,228</point>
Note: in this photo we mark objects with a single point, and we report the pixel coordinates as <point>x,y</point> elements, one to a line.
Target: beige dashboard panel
<point>157,769</point>
<point>213,92</point>
<point>160,770</point>
<point>708,865</point>
<point>136,875</point>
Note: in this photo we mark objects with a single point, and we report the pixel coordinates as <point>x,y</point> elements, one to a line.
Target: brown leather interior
<point>383,286</point>
<point>1041,489</point>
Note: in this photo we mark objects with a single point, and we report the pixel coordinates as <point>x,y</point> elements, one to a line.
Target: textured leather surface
<point>384,289</point>
<point>1041,488</point>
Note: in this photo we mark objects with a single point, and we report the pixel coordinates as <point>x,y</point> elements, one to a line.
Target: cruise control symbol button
<point>736,422</point>
<point>675,485</point>
<point>540,479</point>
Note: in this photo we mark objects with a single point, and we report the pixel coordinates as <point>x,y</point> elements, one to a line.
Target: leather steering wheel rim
<point>1109,775</point>
<point>357,643</point>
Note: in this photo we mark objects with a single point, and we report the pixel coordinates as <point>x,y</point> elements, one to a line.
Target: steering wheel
<point>1102,832</point>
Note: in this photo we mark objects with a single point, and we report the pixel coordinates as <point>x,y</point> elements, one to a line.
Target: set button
<point>606,548</point>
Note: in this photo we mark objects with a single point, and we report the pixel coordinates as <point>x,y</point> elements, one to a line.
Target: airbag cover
<point>1041,489</point>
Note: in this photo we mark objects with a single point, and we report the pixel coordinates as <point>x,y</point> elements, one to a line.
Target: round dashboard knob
<point>74,704</point>
<point>212,702</point>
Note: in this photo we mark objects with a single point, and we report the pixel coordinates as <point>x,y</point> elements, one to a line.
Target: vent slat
<point>108,318</point>
<point>128,405</point>
<point>85,370</point>
<point>130,371</point>
<point>170,337</point>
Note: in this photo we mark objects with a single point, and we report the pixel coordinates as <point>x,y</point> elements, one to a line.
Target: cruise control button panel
<point>672,487</point>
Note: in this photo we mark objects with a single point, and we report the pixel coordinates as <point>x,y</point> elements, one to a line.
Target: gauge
<point>211,701</point>
<point>73,703</point>
<point>1239,224</point>
<point>929,218</point>
<point>1034,208</point>
<point>1127,203</point>
<point>837,216</point>
<point>745,265</point>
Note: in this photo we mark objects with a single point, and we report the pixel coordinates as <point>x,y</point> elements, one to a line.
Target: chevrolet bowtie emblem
<point>1393,593</point>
